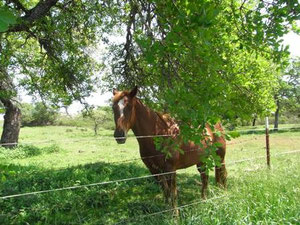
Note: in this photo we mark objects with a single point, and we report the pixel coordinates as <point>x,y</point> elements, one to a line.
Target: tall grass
<point>255,194</point>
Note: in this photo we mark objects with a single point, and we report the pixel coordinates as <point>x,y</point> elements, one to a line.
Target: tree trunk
<point>12,116</point>
<point>254,121</point>
<point>276,122</point>
<point>96,129</point>
<point>12,124</point>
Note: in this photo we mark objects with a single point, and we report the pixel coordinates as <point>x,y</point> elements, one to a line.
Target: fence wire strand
<point>172,209</point>
<point>101,138</point>
<point>86,185</point>
<point>127,179</point>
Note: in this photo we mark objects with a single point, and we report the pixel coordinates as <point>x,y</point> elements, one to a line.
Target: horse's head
<point>124,113</point>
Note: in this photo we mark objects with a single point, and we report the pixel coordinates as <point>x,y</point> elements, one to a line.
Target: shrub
<point>100,118</point>
<point>234,134</point>
<point>38,114</point>
<point>74,121</point>
<point>26,110</point>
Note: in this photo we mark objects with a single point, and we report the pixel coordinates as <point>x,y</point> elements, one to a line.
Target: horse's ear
<point>133,92</point>
<point>115,91</point>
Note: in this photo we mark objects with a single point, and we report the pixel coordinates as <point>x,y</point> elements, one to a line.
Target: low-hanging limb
<point>39,11</point>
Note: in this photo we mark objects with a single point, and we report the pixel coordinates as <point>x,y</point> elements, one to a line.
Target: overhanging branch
<point>32,15</point>
<point>18,5</point>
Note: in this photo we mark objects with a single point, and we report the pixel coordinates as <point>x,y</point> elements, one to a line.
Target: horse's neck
<point>148,122</point>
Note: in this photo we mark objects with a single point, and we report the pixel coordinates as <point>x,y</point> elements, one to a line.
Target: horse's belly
<point>189,159</point>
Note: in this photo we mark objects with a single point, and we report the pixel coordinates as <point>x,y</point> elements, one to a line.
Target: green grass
<point>55,157</point>
<point>271,126</point>
<point>261,128</point>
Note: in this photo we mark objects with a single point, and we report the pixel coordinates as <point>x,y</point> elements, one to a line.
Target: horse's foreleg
<point>173,192</point>
<point>164,182</point>
<point>204,178</point>
<point>220,172</point>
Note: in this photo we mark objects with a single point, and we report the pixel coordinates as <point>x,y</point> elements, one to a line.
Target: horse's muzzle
<point>120,136</point>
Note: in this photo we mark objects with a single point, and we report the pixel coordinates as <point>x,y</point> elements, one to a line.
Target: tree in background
<point>101,117</point>
<point>44,48</point>
<point>38,114</point>
<point>288,96</point>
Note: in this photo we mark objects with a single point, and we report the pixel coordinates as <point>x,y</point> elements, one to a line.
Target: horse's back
<point>193,154</point>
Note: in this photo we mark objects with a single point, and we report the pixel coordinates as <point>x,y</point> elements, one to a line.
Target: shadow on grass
<point>69,206</point>
<point>103,204</point>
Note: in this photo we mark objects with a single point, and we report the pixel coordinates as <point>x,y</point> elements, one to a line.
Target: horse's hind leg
<point>204,178</point>
<point>220,172</point>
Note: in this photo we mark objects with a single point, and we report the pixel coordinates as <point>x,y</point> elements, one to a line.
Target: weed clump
<point>26,151</point>
<point>234,134</point>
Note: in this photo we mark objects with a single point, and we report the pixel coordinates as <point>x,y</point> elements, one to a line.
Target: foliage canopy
<point>46,50</point>
<point>203,60</point>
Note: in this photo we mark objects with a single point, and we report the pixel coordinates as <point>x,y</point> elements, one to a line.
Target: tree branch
<point>40,10</point>
<point>18,5</point>
<point>34,14</point>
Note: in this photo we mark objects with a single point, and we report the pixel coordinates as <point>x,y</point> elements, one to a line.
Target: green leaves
<point>288,93</point>
<point>204,61</point>
<point>296,28</point>
<point>52,56</point>
<point>7,18</point>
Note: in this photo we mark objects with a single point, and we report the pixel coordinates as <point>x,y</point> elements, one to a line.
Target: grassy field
<point>55,157</point>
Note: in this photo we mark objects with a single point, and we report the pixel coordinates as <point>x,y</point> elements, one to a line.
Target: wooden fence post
<point>267,142</point>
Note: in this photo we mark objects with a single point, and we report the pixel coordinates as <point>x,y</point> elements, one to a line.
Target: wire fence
<point>273,129</point>
<point>102,138</point>
<point>140,158</point>
<point>129,179</point>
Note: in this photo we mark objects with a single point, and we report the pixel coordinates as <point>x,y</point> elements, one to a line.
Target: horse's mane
<point>166,118</point>
<point>169,122</point>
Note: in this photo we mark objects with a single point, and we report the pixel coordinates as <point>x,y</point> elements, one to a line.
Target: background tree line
<point>201,61</point>
<point>38,114</point>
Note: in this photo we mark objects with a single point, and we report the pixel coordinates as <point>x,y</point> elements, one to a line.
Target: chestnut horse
<point>131,113</point>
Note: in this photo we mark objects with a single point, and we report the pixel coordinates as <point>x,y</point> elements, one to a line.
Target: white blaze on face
<point>121,107</point>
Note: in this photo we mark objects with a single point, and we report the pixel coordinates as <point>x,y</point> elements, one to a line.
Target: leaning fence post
<point>267,142</point>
